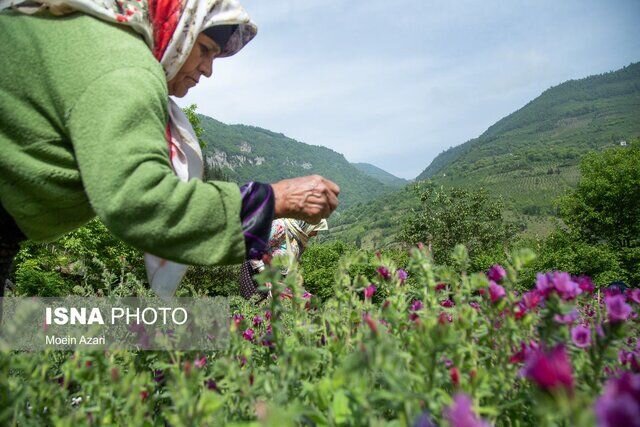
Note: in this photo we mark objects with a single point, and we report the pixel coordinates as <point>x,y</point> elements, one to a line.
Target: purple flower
<point>619,405</point>
<point>211,385</point>
<point>475,305</point>
<point>617,309</point>
<point>402,275</point>
<point>581,336</point>
<point>416,305</point>
<point>634,295</point>
<point>369,291</point>
<point>384,273</point>
<point>544,284</point>
<point>496,273</point>
<point>531,299</point>
<point>550,370</point>
<point>257,321</point>
<point>566,288</point>
<point>267,315</point>
<point>447,303</point>
<point>496,292</point>
<point>306,295</point>
<point>460,413</point>
<point>248,334</point>
<point>566,319</point>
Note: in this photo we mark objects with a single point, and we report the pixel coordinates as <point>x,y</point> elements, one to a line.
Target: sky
<point>395,83</point>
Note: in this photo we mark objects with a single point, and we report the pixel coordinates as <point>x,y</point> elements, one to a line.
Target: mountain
<point>531,156</point>
<point>381,175</point>
<point>245,153</point>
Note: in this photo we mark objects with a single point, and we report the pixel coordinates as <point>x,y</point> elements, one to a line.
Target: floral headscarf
<point>170,28</point>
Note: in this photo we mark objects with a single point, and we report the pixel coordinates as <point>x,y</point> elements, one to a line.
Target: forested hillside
<point>530,156</point>
<point>243,153</point>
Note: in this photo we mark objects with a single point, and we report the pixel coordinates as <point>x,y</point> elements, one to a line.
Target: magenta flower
<point>522,354</point>
<point>200,363</point>
<point>307,295</point>
<point>619,405</point>
<point>550,370</point>
<point>634,295</point>
<point>267,314</point>
<point>369,291</point>
<point>474,305</point>
<point>384,273</point>
<point>248,334</point>
<point>460,413</point>
<point>441,287</point>
<point>531,299</point>
<point>565,286</point>
<point>496,273</point>
<point>447,303</point>
<point>402,275</point>
<point>257,321</point>
<point>581,336</point>
<point>496,292</point>
<point>585,283</point>
<point>370,322</point>
<point>566,319</point>
<point>617,309</point>
<point>211,385</point>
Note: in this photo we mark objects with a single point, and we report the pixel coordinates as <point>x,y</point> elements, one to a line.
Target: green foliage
<point>346,361</point>
<point>381,175</point>
<point>194,119</point>
<point>605,207</point>
<point>458,216</point>
<point>87,261</point>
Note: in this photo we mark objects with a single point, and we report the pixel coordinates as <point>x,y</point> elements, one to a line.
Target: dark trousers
<point>10,238</point>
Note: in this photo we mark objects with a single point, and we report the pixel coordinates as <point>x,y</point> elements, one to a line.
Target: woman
<point>288,238</point>
<point>87,128</point>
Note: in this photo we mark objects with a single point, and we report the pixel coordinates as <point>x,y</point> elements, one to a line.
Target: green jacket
<point>83,112</point>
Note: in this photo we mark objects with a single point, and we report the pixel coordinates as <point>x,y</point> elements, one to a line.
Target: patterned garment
<point>170,28</point>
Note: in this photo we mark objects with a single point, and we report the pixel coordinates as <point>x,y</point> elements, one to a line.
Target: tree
<point>191,114</point>
<point>605,207</point>
<point>450,217</point>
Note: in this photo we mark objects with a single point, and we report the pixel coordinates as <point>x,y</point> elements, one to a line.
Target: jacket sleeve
<point>117,129</point>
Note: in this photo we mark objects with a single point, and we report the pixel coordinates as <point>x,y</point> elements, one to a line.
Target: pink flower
<point>370,322</point>
<point>444,318</point>
<point>581,336</point>
<point>200,363</point>
<point>384,273</point>
<point>306,295</point>
<point>237,319</point>
<point>617,309</point>
<point>369,291</point>
<point>267,314</point>
<point>543,284</point>
<point>549,370</point>
<point>475,305</point>
<point>248,334</point>
<point>496,273</point>
<point>619,405</point>
<point>257,321</point>
<point>522,354</point>
<point>441,287</point>
<point>460,413</point>
<point>496,292</point>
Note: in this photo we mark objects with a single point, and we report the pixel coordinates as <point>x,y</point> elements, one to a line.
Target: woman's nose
<point>206,67</point>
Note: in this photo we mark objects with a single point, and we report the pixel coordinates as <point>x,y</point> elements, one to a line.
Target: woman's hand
<point>309,198</point>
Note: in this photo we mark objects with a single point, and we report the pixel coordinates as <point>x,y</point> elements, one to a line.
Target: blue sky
<point>394,83</point>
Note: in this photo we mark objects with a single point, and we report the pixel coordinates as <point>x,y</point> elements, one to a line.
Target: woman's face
<point>198,64</point>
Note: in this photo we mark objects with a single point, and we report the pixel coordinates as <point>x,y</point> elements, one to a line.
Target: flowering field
<point>425,345</point>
